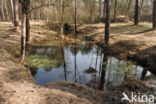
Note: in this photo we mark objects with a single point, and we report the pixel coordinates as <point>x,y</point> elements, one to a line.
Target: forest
<point>77,51</point>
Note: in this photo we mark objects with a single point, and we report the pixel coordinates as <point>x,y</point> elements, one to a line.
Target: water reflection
<point>64,62</point>
<point>103,73</point>
<point>85,64</point>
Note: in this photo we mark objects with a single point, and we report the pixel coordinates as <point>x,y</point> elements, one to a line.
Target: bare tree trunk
<point>23,38</point>
<point>107,23</point>
<point>136,16</point>
<point>27,24</point>
<point>75,20</point>
<point>62,19</point>
<point>143,75</point>
<point>129,6</point>
<point>16,15</point>
<point>47,10</point>
<point>7,12</point>
<point>14,4</point>
<point>104,9</point>
<point>100,2</point>
<point>12,7</point>
<point>38,15</point>
<point>141,6</point>
<point>154,14</point>
<point>2,10</point>
<point>115,10</point>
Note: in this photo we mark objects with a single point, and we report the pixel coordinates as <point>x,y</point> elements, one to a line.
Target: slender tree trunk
<point>7,12</point>
<point>47,11</point>
<point>23,29</point>
<point>107,23</point>
<point>62,19</point>
<point>100,2</point>
<point>136,16</point>
<point>129,6</point>
<point>15,15</point>
<point>75,20</point>
<point>2,10</point>
<point>154,14</point>
<point>141,7</point>
<point>23,38</point>
<point>104,9</point>
<point>27,25</point>
<point>12,7</point>
<point>143,75</point>
<point>115,10</point>
<point>38,15</point>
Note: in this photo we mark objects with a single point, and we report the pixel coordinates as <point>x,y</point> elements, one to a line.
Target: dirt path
<point>18,87</point>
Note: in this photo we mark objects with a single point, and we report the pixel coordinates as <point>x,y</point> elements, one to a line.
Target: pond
<point>85,64</point>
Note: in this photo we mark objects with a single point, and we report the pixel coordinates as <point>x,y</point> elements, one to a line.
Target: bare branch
<point>40,7</point>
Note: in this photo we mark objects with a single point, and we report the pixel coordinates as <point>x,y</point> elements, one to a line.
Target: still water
<point>85,64</point>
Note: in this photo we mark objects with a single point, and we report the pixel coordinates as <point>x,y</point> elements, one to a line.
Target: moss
<point>39,61</point>
<point>90,70</point>
<point>125,68</point>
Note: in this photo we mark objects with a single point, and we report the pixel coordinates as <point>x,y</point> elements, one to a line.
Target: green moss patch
<point>38,61</point>
<point>125,68</point>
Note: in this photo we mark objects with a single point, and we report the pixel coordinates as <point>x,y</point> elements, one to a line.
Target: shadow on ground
<point>130,50</point>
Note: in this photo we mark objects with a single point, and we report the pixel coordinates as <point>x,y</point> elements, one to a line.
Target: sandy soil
<point>18,87</point>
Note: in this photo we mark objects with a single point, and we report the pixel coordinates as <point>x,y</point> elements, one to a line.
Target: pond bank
<point>56,62</point>
<point>17,85</point>
<point>136,43</point>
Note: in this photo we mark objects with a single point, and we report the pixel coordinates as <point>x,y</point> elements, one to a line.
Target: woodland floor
<point>18,87</point>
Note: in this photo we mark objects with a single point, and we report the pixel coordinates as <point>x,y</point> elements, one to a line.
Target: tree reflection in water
<point>103,73</point>
<point>91,67</point>
<point>64,62</point>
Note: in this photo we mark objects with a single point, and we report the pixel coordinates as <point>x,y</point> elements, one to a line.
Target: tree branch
<point>39,7</point>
